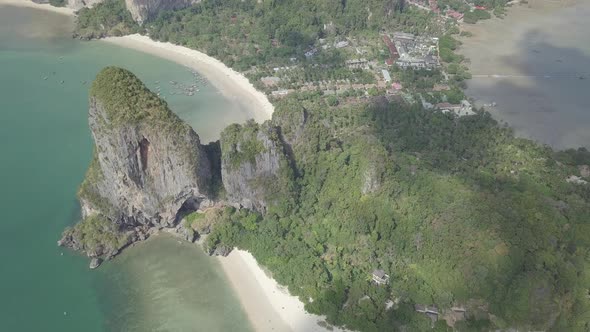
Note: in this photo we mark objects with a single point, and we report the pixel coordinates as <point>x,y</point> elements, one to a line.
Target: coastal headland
<point>268,305</point>
<point>261,297</point>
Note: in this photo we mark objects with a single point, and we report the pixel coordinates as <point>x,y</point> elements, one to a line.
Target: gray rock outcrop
<point>142,10</point>
<point>254,166</point>
<point>79,4</point>
<point>149,170</point>
<point>94,263</point>
<point>148,167</point>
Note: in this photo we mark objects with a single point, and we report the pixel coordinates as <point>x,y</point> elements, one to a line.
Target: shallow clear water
<point>45,146</point>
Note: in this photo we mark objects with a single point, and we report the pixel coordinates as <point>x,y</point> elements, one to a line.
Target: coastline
<point>233,85</point>
<point>264,299</point>
<point>41,6</point>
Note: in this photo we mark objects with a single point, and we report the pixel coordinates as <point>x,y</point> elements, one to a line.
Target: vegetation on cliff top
<point>456,210</point>
<point>127,100</point>
<point>240,143</point>
<point>108,18</point>
<point>97,235</point>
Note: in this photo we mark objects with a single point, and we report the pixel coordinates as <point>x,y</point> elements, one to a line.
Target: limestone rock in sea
<point>142,10</point>
<point>148,167</point>
<point>94,263</point>
<point>255,168</point>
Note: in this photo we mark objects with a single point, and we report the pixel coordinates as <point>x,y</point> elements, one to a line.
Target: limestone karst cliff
<point>148,166</point>
<point>142,10</point>
<point>255,168</point>
<point>149,169</point>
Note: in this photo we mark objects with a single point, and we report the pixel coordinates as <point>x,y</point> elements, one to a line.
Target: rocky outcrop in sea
<point>148,167</point>
<point>150,172</point>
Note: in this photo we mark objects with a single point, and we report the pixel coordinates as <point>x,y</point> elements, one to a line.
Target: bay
<point>45,143</point>
<point>535,64</point>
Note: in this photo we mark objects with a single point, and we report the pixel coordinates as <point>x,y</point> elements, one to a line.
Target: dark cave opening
<point>144,146</point>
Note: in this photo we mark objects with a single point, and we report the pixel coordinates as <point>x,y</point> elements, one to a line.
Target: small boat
<point>62,82</point>
<point>45,78</point>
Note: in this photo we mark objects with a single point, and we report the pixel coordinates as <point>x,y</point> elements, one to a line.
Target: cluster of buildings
<point>448,13</point>
<point>464,108</point>
<point>416,52</point>
<point>361,63</point>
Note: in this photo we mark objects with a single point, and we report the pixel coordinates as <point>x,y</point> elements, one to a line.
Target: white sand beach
<point>31,4</point>
<point>267,304</point>
<point>232,84</point>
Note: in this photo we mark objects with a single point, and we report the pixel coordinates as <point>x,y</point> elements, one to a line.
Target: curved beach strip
<point>44,6</point>
<point>269,306</point>
<point>232,84</point>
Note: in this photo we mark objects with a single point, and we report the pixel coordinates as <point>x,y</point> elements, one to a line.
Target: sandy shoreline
<point>267,304</point>
<point>31,4</point>
<point>232,84</point>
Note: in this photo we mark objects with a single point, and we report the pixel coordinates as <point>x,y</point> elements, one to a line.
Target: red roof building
<point>393,53</point>
<point>455,14</point>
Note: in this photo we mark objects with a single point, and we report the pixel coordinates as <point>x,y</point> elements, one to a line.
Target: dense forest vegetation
<point>246,33</point>
<point>108,18</point>
<point>455,209</point>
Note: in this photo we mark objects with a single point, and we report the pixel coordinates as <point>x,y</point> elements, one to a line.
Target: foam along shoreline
<point>41,6</point>
<point>267,304</point>
<point>229,82</point>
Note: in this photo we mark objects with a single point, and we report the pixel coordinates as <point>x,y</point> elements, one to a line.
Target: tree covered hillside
<point>242,33</point>
<point>456,210</point>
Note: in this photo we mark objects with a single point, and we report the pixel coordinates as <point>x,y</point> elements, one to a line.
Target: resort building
<point>380,277</point>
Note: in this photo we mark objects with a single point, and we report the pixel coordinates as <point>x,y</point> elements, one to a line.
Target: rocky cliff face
<point>79,4</point>
<point>148,166</point>
<point>254,165</point>
<point>142,10</point>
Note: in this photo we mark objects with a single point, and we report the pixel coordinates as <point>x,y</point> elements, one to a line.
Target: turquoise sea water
<point>45,144</point>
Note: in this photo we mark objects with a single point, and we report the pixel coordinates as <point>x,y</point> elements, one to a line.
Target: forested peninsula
<point>463,225</point>
<point>456,210</point>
